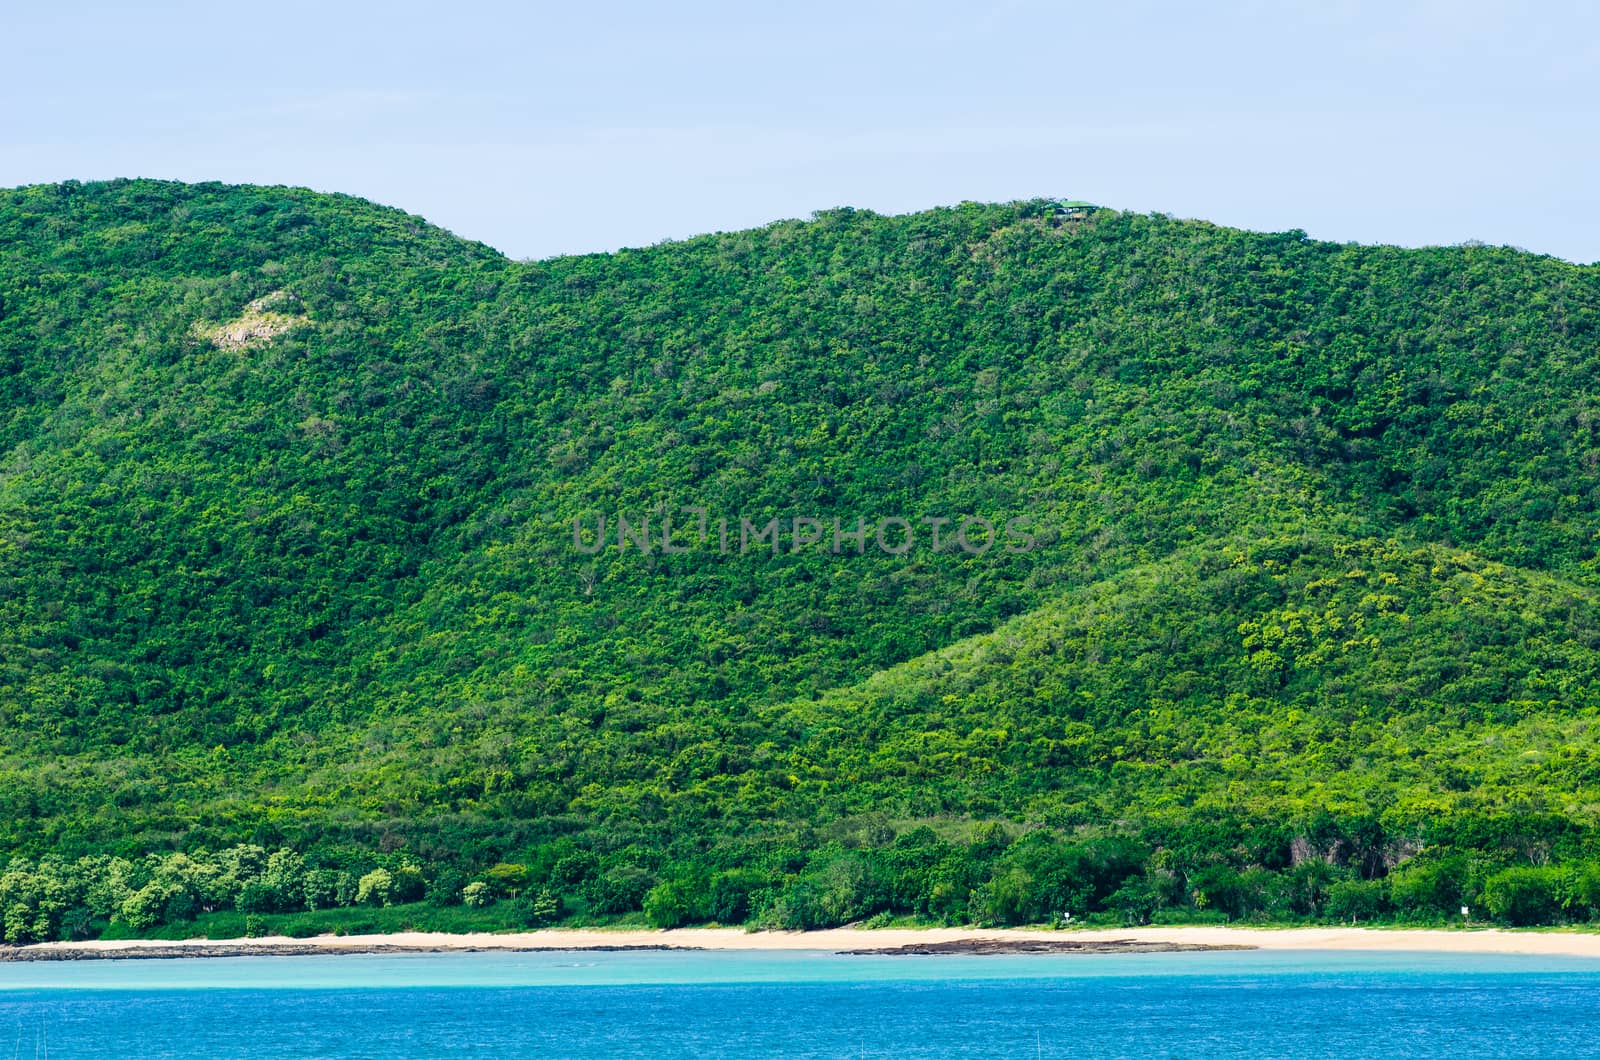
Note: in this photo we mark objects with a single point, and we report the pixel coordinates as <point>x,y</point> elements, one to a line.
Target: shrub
<point>507,879</point>
<point>1357,900</point>
<point>445,888</point>
<point>1308,885</point>
<point>675,903</point>
<point>1434,888</point>
<point>1136,901</point>
<point>1008,898</point>
<point>1218,887</point>
<point>728,897</point>
<point>409,884</point>
<point>538,908</point>
<point>375,888</point>
<point>838,887</point>
<point>619,890</point>
<point>572,871</point>
<point>326,889</point>
<point>77,924</point>
<point>256,897</point>
<point>1581,895</point>
<point>143,908</point>
<point>1525,896</point>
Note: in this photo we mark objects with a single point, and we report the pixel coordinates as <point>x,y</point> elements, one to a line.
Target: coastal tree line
<point>1335,872</point>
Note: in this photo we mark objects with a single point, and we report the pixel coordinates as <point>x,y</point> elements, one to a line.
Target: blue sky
<point>544,129</point>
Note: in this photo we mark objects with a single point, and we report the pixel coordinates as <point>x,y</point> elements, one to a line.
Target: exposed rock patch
<point>262,321</point>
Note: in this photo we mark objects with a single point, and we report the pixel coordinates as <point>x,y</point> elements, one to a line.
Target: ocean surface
<point>806,1004</point>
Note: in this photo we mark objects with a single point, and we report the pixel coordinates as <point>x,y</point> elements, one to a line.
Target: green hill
<point>1297,616</point>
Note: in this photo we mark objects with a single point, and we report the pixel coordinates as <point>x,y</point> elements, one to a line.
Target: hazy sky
<point>545,129</point>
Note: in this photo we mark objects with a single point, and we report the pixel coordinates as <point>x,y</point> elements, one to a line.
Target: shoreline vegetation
<point>889,880</point>
<point>847,940</point>
<point>886,880</point>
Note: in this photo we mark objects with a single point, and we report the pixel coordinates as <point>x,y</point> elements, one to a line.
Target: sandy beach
<point>1487,940</point>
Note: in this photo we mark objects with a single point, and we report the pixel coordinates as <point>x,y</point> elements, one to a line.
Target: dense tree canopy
<point>1306,624</point>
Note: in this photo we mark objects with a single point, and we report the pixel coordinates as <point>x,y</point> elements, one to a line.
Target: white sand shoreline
<point>1486,940</point>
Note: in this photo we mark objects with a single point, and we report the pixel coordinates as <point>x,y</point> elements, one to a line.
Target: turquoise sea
<point>806,1004</point>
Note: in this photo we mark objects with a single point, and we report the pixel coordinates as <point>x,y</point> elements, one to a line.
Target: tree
<point>1525,896</point>
<point>1357,900</point>
<point>674,903</point>
<point>538,908</point>
<point>375,888</point>
<point>620,889</point>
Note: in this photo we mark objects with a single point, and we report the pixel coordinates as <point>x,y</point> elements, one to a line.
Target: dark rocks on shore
<point>179,950</point>
<point>989,947</point>
<point>980,947</point>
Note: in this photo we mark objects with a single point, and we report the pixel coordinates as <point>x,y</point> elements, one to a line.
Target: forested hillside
<point>1302,621</point>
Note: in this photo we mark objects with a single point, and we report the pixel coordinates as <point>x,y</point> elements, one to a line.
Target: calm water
<point>806,1005</point>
